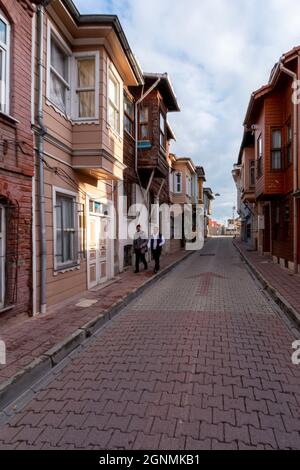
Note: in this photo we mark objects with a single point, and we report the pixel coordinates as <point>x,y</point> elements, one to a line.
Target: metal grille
<point>12,217</point>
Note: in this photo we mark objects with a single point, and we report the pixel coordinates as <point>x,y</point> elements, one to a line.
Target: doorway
<point>2,256</point>
<point>98,248</point>
<point>267,231</point>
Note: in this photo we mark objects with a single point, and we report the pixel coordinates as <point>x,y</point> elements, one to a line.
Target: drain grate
<point>207,254</point>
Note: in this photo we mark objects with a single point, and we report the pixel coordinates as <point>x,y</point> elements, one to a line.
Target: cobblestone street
<point>201,360</point>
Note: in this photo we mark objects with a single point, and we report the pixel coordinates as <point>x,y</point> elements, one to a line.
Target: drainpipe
<point>293,75</point>
<point>40,151</point>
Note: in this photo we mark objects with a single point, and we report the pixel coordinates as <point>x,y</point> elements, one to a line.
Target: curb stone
<point>276,296</point>
<point>14,387</point>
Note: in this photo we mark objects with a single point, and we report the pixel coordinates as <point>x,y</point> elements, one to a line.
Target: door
<point>2,257</point>
<point>267,231</point>
<point>298,216</point>
<point>97,250</point>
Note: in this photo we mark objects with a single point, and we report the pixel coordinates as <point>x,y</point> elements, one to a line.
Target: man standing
<point>156,243</point>
<point>140,246</point>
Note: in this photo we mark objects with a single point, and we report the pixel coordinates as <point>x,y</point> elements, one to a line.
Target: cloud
<point>216,52</point>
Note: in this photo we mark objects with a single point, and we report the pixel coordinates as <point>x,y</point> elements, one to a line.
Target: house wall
<point>69,144</point>
<point>16,158</point>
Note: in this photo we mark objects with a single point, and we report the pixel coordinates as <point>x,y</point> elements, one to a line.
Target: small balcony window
<point>276,151</point>
<point>144,123</point>
<point>59,75</point>
<point>252,173</point>
<point>86,87</point>
<point>289,139</point>
<point>259,156</point>
<point>178,182</point>
<point>128,116</point>
<point>162,128</point>
<point>113,102</point>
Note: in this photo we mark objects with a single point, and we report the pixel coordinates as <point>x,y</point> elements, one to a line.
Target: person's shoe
<point>136,272</point>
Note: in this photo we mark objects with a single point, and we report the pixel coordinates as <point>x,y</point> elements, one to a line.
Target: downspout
<point>293,75</point>
<point>40,151</point>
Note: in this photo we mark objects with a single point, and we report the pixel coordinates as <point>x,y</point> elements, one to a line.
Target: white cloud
<point>216,52</point>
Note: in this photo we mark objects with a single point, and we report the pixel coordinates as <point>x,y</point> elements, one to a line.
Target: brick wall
<point>16,158</point>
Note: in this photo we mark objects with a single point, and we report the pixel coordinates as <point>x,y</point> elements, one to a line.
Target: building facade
<point>271,140</point>
<point>82,66</point>
<point>16,157</point>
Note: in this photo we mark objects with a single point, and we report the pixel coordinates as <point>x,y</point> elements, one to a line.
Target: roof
<point>112,20</point>
<point>209,193</point>
<point>165,87</point>
<point>258,95</point>
<point>200,172</point>
<point>186,160</point>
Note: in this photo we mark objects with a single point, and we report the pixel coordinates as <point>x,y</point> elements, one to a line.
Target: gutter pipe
<point>293,75</point>
<point>40,151</point>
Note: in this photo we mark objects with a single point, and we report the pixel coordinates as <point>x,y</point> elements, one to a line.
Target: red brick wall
<point>16,157</point>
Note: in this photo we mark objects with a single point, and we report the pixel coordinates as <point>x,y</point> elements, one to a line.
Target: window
<point>144,123</point>
<point>4,65</point>
<point>259,156</point>
<point>59,74</point>
<point>128,116</point>
<point>162,130</point>
<point>188,186</point>
<point>171,181</point>
<point>66,249</point>
<point>113,102</point>
<point>252,173</point>
<point>276,150</point>
<point>178,182</point>
<point>85,87</point>
<point>289,138</point>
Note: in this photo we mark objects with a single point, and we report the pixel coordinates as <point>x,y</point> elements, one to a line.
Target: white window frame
<point>5,88</point>
<point>62,267</point>
<point>112,71</point>
<point>175,182</point>
<point>74,86</point>
<point>52,31</point>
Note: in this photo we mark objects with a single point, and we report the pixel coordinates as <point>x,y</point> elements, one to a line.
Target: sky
<point>216,52</point>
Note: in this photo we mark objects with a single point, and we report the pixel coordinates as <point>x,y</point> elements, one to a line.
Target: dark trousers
<point>140,257</point>
<point>156,256</point>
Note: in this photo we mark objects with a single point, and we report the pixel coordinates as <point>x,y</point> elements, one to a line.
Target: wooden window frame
<point>144,123</point>
<point>5,72</point>
<point>162,132</point>
<point>127,116</point>
<point>277,149</point>
<point>259,171</point>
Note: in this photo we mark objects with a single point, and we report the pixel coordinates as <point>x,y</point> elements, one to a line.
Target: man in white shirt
<point>156,243</point>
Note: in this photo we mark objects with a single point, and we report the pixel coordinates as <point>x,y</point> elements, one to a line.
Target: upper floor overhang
<point>106,30</point>
<point>165,88</point>
<point>247,141</point>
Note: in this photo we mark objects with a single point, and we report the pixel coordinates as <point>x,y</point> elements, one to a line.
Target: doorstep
<point>36,345</point>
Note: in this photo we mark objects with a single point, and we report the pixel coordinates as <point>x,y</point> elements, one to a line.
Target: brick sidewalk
<point>28,338</point>
<point>282,280</point>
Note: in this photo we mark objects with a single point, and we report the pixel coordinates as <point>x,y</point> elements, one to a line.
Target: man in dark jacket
<point>140,246</point>
<point>156,243</point>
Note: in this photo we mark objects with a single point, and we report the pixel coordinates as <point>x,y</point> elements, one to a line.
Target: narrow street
<point>201,360</point>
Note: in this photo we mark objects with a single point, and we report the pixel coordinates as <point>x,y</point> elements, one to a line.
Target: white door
<point>2,256</point>
<point>97,250</point>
